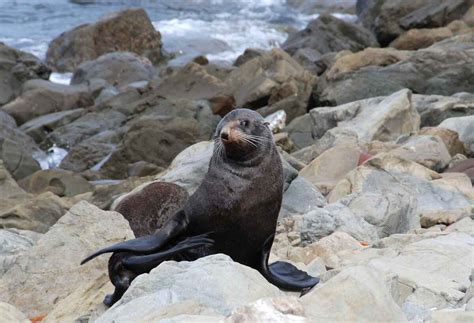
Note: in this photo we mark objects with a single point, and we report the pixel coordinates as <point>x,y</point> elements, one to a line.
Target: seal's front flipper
<point>145,263</point>
<point>148,244</point>
<point>283,274</point>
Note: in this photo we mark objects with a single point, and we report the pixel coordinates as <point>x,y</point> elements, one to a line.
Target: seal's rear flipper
<point>145,263</point>
<point>283,274</point>
<point>148,244</point>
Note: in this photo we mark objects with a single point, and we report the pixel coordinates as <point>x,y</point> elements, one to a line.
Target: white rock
<point>464,126</point>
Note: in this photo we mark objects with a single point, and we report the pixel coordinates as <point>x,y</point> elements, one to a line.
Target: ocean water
<point>219,29</point>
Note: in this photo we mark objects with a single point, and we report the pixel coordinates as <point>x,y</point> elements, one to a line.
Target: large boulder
<point>444,68</point>
<point>357,294</point>
<point>128,30</point>
<point>13,243</point>
<point>40,97</point>
<point>215,283</point>
<point>10,313</point>
<point>8,186</point>
<point>273,81</point>
<point>50,271</point>
<point>16,67</point>
<point>117,69</point>
<point>330,34</point>
<point>464,126</point>
<point>391,18</point>
<point>17,150</point>
<point>382,118</point>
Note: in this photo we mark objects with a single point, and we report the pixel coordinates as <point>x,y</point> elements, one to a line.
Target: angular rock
<point>420,38</point>
<point>466,167</point>
<point>8,186</point>
<point>273,81</point>
<point>13,243</point>
<point>278,309</point>
<point>16,67</point>
<point>50,271</point>
<point>328,247</point>
<point>449,137</point>
<point>215,282</point>
<point>10,313</point>
<point>41,97</point>
<point>330,34</point>
<point>57,181</point>
<point>117,69</point>
<point>464,126</point>
<point>300,198</point>
<point>352,295</point>
<point>247,55</point>
<point>128,30</point>
<point>446,217</point>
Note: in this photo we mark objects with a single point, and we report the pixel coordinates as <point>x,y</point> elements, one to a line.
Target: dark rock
<point>118,69</point>
<point>330,34</point>
<point>466,167</point>
<point>128,30</point>
<point>16,67</point>
<point>247,55</point>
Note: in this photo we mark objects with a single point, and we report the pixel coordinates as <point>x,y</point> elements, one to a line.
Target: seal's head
<point>242,134</point>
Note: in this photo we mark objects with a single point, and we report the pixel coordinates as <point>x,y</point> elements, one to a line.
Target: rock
<point>247,55</point>
<point>330,34</point>
<point>13,243</point>
<point>383,118</point>
<point>464,126</point>
<point>278,309</point>
<point>389,19</point>
<point>328,247</point>
<point>57,181</point>
<point>17,150</point>
<point>443,217</point>
<point>214,282</point>
<point>452,316</point>
<point>117,69</point>
<point>434,109</point>
<point>442,69</point>
<point>352,295</point>
<point>143,168</point>
<point>273,81</point>
<point>38,128</point>
<point>8,186</point>
<point>389,174</point>
<point>41,97</point>
<point>420,38</point>
<point>17,67</point>
<point>323,6</point>
<point>50,271</point>
<point>149,206</point>
<point>301,197</point>
<point>325,173</point>
<point>128,30</point>
<point>85,127</point>
<point>189,167</point>
<point>367,57</point>
<point>193,82</point>
<point>464,225</point>
<point>449,137</point>
<point>421,266</point>
<point>29,212</point>
<point>9,313</point>
<point>466,167</point>
<point>429,151</point>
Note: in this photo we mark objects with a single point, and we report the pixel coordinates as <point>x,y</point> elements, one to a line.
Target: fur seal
<point>234,211</point>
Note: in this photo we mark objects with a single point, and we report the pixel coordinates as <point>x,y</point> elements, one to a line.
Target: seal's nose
<point>224,136</point>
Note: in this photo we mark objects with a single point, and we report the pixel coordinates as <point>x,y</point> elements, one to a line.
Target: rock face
<point>301,197</point>
<point>117,69</point>
<point>434,70</point>
<point>10,314</point>
<point>16,67</point>
<point>273,81</point>
<point>8,186</point>
<point>389,19</point>
<point>464,126</point>
<point>13,243</point>
<point>277,309</point>
<point>215,284</point>
<point>50,271</point>
<point>330,34</point>
<point>352,296</point>
<point>41,97</point>
<point>129,30</point>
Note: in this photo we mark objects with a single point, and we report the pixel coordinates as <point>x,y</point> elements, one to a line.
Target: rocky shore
<point>374,121</point>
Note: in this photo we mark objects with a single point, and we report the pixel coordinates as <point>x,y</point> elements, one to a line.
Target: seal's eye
<point>244,123</point>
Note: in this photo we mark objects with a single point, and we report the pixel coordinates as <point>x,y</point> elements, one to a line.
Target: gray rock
<point>50,271</point>
<point>12,244</point>
<point>16,67</point>
<point>215,282</point>
<point>117,68</point>
<point>300,198</point>
<point>10,313</point>
<point>356,294</point>
<point>330,34</point>
<point>464,126</point>
<point>277,309</point>
<point>8,186</point>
